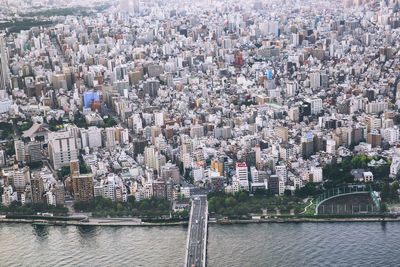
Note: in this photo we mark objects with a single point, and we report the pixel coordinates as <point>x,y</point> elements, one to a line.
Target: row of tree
<point>241,203</point>
<point>103,207</point>
<point>16,207</point>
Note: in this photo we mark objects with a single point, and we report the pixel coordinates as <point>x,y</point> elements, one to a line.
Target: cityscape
<point>197,121</point>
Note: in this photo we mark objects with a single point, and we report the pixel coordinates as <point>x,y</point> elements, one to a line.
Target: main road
<point>197,234</point>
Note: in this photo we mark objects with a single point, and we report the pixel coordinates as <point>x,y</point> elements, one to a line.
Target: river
<point>268,244</point>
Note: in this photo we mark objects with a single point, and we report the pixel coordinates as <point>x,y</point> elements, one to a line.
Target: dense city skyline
<point>136,112</point>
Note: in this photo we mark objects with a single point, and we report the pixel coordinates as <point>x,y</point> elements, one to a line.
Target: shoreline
<point>306,220</point>
<point>98,222</point>
<point>115,222</point>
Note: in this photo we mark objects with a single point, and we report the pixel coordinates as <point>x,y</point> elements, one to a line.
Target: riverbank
<point>137,222</point>
<point>94,222</point>
<point>305,220</point>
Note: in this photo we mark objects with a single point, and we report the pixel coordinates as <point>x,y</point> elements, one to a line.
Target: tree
<point>260,192</point>
<point>211,205</point>
<point>287,193</point>
<point>184,214</point>
<point>308,190</point>
<point>393,192</point>
<point>35,165</point>
<point>383,207</point>
<point>131,199</point>
<point>83,169</point>
<point>120,207</point>
<point>109,122</point>
<point>230,202</point>
<point>242,196</point>
<point>385,192</point>
<point>65,170</point>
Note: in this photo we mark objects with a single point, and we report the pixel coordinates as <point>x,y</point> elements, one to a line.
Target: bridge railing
<point>188,236</point>
<point>205,236</point>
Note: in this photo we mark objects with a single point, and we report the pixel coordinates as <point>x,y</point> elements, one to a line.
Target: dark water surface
<point>270,244</point>
<point>305,244</point>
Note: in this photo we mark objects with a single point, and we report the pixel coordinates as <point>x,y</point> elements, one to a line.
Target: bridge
<point>196,243</point>
<point>347,191</point>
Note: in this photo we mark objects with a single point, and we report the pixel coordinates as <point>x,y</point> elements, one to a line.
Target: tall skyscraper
<point>4,78</point>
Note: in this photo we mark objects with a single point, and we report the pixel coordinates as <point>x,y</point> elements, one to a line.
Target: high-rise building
<point>122,135</point>
<point>276,185</point>
<point>59,193</point>
<point>217,183</point>
<point>110,138</point>
<point>33,150</point>
<point>281,171</point>
<point>37,189</point>
<point>4,73</point>
<point>155,132</point>
<point>316,105</point>
<point>159,189</point>
<point>91,137</point>
<point>373,123</point>
<point>374,138</point>
<point>19,147</point>
<point>159,119</point>
<point>2,158</point>
<point>62,149</point>
<point>74,167</point>
<point>8,196</point>
<point>170,171</point>
<point>282,133</point>
<point>307,145</point>
<point>20,178</point>
<point>83,187</point>
<point>138,146</point>
<point>316,174</point>
<point>150,157</point>
<point>94,136</point>
<point>315,80</point>
<point>242,176</point>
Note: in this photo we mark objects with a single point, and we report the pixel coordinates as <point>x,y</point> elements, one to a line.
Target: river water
<point>268,244</point>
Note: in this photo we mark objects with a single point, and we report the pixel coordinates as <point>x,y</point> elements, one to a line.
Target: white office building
<point>62,149</point>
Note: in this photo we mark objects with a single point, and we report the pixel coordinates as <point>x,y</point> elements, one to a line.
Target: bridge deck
<point>197,233</point>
